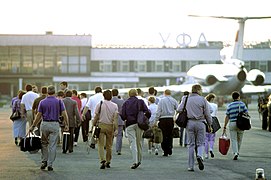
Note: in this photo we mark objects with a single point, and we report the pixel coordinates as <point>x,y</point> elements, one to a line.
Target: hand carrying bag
<point>30,142</point>
<point>224,144</point>
<point>65,141</point>
<point>243,121</point>
<point>96,133</point>
<point>142,120</point>
<point>182,119</point>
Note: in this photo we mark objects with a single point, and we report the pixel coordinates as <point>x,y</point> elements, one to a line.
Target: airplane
<point>221,79</point>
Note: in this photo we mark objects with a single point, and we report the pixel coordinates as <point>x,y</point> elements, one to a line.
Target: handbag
<point>182,119</point>
<point>30,142</point>
<point>15,115</point>
<point>60,118</point>
<point>96,132</point>
<point>243,121</point>
<point>176,132</point>
<point>224,144</point>
<point>215,125</point>
<point>97,129</point>
<point>142,120</point>
<point>148,134</point>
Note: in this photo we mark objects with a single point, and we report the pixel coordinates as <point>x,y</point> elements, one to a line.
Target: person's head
<point>43,90</point>
<point>98,89</point>
<point>35,89</point>
<point>60,94</point>
<point>151,99</point>
<point>167,92</point>
<point>139,92</point>
<point>210,97</point>
<point>235,95</point>
<point>107,95</point>
<point>74,92</point>
<point>51,90</point>
<point>28,87</point>
<point>197,89</point>
<point>151,90</point>
<point>115,92</point>
<point>68,93</point>
<point>63,85</point>
<point>132,93</point>
<point>83,95</point>
<point>21,94</point>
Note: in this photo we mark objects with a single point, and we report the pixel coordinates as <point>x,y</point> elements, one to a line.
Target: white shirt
<point>28,99</point>
<point>83,102</point>
<point>213,107</point>
<point>144,99</point>
<point>93,101</point>
<point>153,108</point>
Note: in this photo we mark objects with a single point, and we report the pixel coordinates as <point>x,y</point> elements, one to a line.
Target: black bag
<point>176,132</point>
<point>148,134</point>
<point>30,143</point>
<point>15,115</point>
<point>142,120</point>
<point>61,118</point>
<point>243,121</point>
<point>215,124</point>
<point>182,119</point>
<point>96,133</point>
<point>65,141</point>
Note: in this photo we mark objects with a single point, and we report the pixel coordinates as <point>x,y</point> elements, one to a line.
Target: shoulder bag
<point>15,115</point>
<point>142,120</point>
<point>97,129</point>
<point>243,120</point>
<point>182,119</point>
<point>61,118</point>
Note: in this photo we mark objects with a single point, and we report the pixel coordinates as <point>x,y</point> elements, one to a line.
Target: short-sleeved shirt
<point>234,108</point>
<point>50,108</point>
<point>28,99</point>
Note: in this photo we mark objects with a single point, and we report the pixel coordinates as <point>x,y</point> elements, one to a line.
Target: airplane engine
<point>211,79</point>
<point>256,76</point>
<point>242,75</point>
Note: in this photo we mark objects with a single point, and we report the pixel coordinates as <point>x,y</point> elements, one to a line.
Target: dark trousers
<point>85,130</point>
<point>264,119</point>
<point>76,133</point>
<point>71,139</point>
<point>166,125</point>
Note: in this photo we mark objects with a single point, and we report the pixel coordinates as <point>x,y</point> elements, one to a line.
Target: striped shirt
<point>233,110</point>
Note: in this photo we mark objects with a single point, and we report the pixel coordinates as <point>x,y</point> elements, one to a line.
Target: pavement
<point>83,163</point>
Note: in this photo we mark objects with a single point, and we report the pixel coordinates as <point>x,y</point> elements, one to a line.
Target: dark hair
<point>107,95</point>
<point>21,94</point>
<point>115,92</point>
<point>44,90</point>
<point>74,92</point>
<point>151,90</point>
<point>98,89</point>
<point>83,94</point>
<point>64,83</point>
<point>68,93</point>
<point>235,95</point>
<point>60,93</point>
<point>51,90</point>
<point>210,96</point>
<point>28,87</point>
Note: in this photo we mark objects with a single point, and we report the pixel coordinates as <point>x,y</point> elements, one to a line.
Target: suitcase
<point>30,142</point>
<point>65,142</point>
<point>224,144</point>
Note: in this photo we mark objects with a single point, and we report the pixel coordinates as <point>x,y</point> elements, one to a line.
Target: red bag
<point>224,144</point>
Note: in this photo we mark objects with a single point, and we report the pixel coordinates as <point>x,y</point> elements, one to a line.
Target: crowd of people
<point>116,116</point>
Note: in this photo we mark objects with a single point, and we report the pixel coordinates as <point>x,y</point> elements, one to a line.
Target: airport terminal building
<point>49,59</point>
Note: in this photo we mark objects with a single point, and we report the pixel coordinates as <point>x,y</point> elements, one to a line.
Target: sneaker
<point>190,169</point>
<point>102,165</point>
<point>50,168</point>
<point>235,157</point>
<point>134,166</point>
<point>206,157</point>
<point>212,154</point>
<point>118,153</point>
<point>156,151</point>
<point>200,162</point>
<point>92,146</point>
<point>43,165</point>
<point>107,165</point>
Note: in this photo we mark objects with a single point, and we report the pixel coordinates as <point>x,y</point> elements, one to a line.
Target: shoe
<point>149,151</point>
<point>135,165</point>
<point>190,169</point>
<point>118,153</point>
<point>43,165</point>
<point>206,157</point>
<point>75,143</point>
<point>170,152</point>
<point>16,141</point>
<point>235,157</point>
<point>92,146</point>
<point>165,154</point>
<point>70,151</point>
<point>64,152</point>
<point>200,162</point>
<point>212,154</point>
<point>50,168</point>
<point>107,165</point>
<point>102,165</point>
<point>156,151</point>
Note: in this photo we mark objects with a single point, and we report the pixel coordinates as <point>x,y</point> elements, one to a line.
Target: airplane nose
<point>242,75</point>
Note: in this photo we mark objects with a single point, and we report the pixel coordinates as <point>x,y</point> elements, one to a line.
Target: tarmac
<point>83,163</point>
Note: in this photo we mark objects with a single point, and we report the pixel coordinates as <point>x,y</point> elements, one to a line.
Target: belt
<point>50,120</point>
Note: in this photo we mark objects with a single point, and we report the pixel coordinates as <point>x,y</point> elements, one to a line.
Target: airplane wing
<point>252,89</point>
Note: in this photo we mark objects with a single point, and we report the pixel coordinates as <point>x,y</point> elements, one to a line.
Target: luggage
<point>243,121</point>
<point>157,135</point>
<point>30,142</point>
<point>224,144</point>
<point>65,142</point>
<point>176,132</point>
<point>148,134</point>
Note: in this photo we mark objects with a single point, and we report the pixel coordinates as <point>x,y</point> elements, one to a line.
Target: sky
<point>135,22</point>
